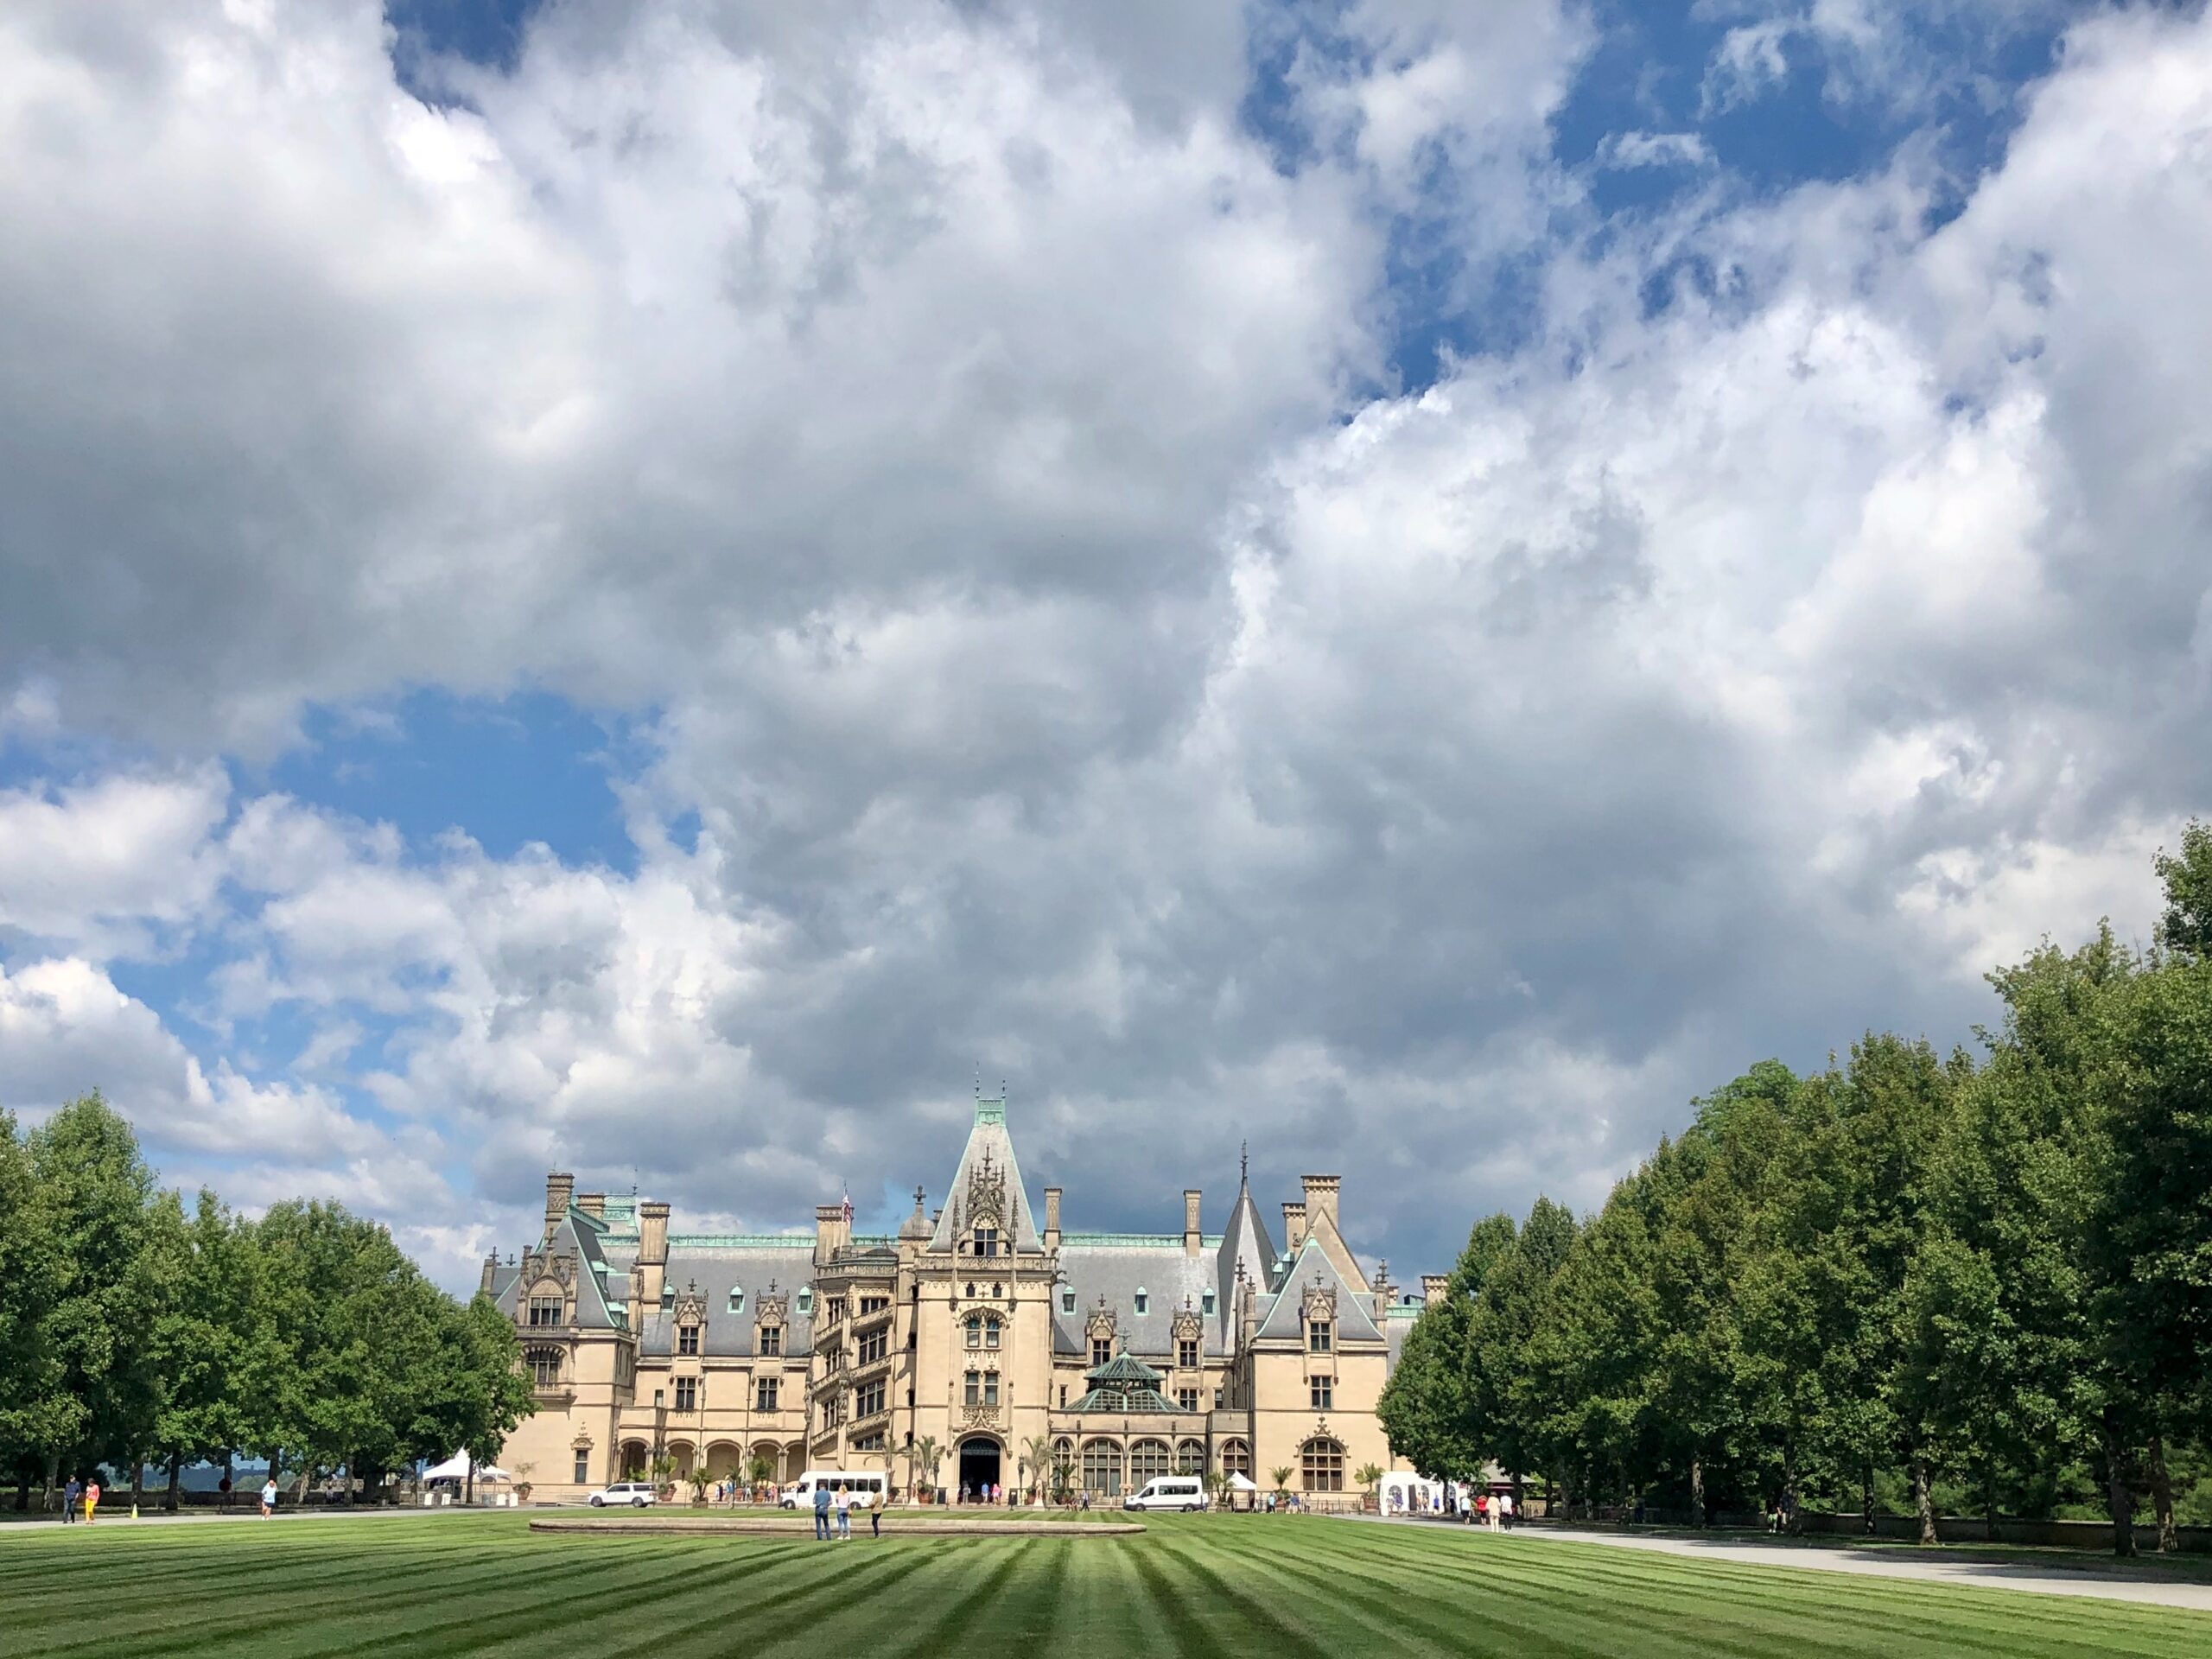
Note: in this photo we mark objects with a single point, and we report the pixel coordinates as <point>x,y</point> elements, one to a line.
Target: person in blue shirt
<point>822,1509</point>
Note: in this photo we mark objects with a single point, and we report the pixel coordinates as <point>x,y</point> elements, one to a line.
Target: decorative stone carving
<point>691,1305</point>
<point>1188,1327</point>
<point>1318,1304</point>
<point>775,1307</point>
<point>986,1194</point>
<point>1101,1323</point>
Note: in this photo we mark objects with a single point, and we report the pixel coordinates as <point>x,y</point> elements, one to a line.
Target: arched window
<point>1102,1468</point>
<point>1148,1458</point>
<point>1236,1458</point>
<point>1321,1465</point>
<point>983,1330</point>
<point>1190,1458</point>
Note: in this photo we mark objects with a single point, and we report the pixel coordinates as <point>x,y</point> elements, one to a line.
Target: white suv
<point>636,1493</point>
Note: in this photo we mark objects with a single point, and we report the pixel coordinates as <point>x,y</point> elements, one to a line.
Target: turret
<point>558,1189</point>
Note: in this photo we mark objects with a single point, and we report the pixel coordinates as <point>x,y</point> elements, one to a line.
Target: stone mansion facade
<point>982,1326</point>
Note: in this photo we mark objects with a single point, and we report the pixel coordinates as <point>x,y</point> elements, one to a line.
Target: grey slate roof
<point>1312,1266</point>
<point>1118,1270</point>
<point>1245,1241</point>
<point>718,1269</point>
<point>987,1138</point>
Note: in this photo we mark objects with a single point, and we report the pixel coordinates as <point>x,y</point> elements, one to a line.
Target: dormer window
<point>806,1301</point>
<point>667,1295</point>
<point>1067,1299</point>
<point>1206,1303</point>
<point>1144,1301</point>
<point>1316,1337</point>
<point>544,1310</point>
<point>986,1241</point>
<point>737,1298</point>
<point>687,1339</point>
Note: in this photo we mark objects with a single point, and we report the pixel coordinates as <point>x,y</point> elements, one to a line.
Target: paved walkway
<point>2042,1573</point>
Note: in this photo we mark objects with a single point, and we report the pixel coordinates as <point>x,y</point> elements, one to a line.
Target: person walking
<point>822,1510</point>
<point>875,1514</point>
<point>1505,1510</point>
<point>92,1497</point>
<point>70,1495</point>
<point>269,1496</point>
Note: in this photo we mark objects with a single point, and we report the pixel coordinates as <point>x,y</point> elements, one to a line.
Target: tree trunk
<point>2162,1497</point>
<point>2118,1496</point>
<point>177,1476</point>
<point>1989,1504</point>
<point>137,1479</point>
<point>1866,1496</point>
<point>22,1486</point>
<point>1697,1489</point>
<point>229,1477</point>
<point>1924,1505</point>
<point>53,1479</point>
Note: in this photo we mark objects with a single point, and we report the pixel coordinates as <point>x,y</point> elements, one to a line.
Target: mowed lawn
<point>1289,1588</point>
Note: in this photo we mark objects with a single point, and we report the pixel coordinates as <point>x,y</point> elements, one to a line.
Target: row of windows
<point>1143,1301</point>
<point>1320,1463</point>
<point>768,1339</point>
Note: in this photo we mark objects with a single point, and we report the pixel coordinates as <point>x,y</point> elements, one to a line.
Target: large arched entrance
<point>979,1464</point>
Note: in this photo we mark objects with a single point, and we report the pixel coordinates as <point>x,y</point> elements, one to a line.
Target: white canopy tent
<point>1242,1483</point>
<point>456,1468</point>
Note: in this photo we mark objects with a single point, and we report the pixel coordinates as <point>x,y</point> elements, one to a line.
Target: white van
<point>1184,1492</point>
<point>800,1494</point>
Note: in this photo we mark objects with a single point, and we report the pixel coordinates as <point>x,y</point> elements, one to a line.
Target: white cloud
<point>118,861</point>
<point>944,431</point>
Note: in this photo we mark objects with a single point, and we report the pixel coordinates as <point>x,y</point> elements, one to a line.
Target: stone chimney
<point>1321,1200</point>
<point>1052,1219</point>
<point>558,1189</point>
<point>832,1232</point>
<point>652,1259</point>
<point>593,1204</point>
<point>1191,1236</point>
<point>484,1284</point>
<point>1293,1228</point>
<point>1435,1288</point>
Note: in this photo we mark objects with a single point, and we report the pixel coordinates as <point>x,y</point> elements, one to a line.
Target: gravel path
<point>2041,1575</point>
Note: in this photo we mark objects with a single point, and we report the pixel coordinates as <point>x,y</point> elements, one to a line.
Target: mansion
<point>981,1327</point>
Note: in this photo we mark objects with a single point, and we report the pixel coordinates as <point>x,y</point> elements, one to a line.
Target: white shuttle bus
<point>799,1495</point>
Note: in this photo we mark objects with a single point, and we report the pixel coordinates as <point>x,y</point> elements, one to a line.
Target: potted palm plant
<point>1281,1476</point>
<point>760,1471</point>
<point>663,1470</point>
<point>1369,1476</point>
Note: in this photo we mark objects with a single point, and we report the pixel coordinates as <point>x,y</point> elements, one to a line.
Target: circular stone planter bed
<point>802,1525</point>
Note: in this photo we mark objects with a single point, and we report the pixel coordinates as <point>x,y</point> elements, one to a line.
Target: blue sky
<point>1413,583</point>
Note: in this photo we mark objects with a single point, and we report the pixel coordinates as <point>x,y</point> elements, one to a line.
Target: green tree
<point>36,1417</point>
<point>1428,1409</point>
<point>2185,924</point>
<point>95,1196</point>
